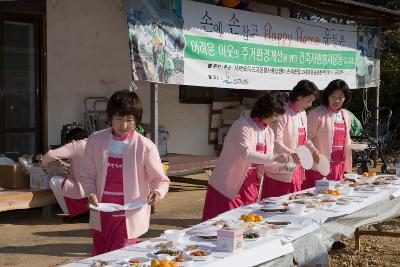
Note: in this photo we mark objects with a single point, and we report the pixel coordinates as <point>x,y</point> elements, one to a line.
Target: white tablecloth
<point>307,239</point>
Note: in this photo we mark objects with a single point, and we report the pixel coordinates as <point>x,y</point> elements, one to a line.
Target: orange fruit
<point>365,174</point>
<point>154,263</point>
<point>372,174</point>
<point>243,217</point>
<point>164,264</point>
<point>173,264</point>
<point>250,218</point>
<point>258,218</point>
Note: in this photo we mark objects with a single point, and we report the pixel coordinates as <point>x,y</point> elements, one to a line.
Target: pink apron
<point>75,206</point>
<point>113,234</point>
<point>216,203</point>
<point>275,188</point>
<point>337,158</point>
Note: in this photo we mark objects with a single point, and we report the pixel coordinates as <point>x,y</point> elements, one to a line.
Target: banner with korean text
<point>186,42</point>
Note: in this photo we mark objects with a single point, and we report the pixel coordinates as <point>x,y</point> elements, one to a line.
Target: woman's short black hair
<point>267,105</point>
<point>334,86</point>
<point>303,88</point>
<point>125,103</point>
<point>75,134</point>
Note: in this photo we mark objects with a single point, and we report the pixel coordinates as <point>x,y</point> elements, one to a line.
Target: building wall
<point>88,55</point>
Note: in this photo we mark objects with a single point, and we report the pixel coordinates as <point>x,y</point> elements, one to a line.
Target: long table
<point>307,240</point>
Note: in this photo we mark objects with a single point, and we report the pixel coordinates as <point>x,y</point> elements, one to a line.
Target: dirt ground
<point>29,240</point>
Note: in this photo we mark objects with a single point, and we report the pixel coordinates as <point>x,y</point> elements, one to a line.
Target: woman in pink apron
<point>328,127</point>
<point>291,132</point>
<point>120,166</point>
<point>68,190</point>
<point>248,145</point>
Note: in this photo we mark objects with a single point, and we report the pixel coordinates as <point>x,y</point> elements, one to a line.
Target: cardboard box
<point>38,178</point>
<point>162,141</point>
<point>13,177</point>
<point>229,240</point>
<point>234,114</point>
<point>323,185</point>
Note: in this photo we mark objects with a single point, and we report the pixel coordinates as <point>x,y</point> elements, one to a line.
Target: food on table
<point>381,182</point>
<point>328,200</point>
<point>388,177</point>
<point>207,237</point>
<point>252,217</point>
<point>301,195</point>
<point>136,265</point>
<point>285,209</point>
<point>251,235</point>
<point>134,260</point>
<point>168,244</point>
<point>155,263</point>
<point>198,253</point>
<point>278,223</point>
<point>163,263</point>
<point>180,258</point>
<point>350,182</point>
<point>369,174</point>
<point>334,192</point>
<point>168,251</point>
<point>221,224</point>
<point>99,263</point>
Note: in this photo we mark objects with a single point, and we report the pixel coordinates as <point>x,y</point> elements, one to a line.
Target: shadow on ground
<point>69,233</point>
<point>57,249</point>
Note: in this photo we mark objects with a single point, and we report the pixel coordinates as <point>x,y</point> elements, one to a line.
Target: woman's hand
<point>295,158</point>
<point>153,198</point>
<point>315,156</point>
<point>282,158</point>
<point>92,199</point>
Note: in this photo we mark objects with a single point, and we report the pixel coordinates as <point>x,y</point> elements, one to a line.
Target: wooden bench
<point>183,164</point>
<point>14,199</point>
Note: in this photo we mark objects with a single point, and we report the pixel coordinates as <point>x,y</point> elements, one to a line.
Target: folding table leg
<point>357,239</point>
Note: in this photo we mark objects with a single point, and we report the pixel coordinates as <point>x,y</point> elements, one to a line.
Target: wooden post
<point>376,123</point>
<point>357,240</point>
<point>154,119</point>
<point>154,113</point>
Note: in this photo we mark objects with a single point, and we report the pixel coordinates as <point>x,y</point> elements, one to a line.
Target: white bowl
<point>174,235</point>
<point>366,179</point>
<point>267,229</point>
<point>164,257</point>
<point>344,201</point>
<point>347,190</point>
<point>358,147</point>
<point>297,208</point>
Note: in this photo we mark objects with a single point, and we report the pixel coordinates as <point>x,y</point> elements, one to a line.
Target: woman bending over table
<point>248,145</point>
<point>291,132</point>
